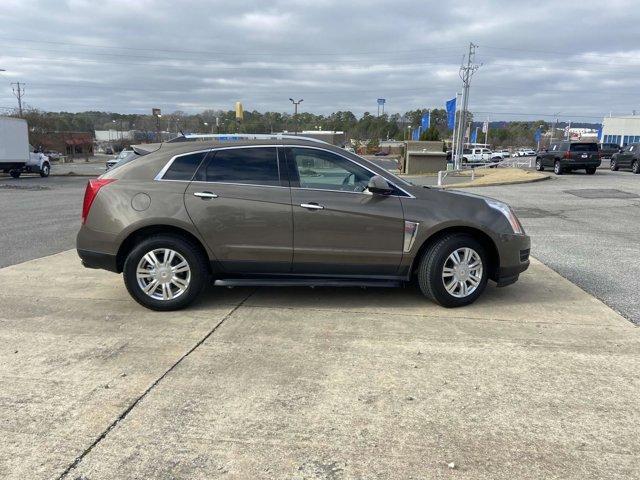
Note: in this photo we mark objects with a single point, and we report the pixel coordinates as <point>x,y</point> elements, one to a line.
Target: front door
<point>242,209</point>
<point>339,227</point>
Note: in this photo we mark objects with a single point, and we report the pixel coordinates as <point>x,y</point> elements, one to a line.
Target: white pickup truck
<point>16,155</point>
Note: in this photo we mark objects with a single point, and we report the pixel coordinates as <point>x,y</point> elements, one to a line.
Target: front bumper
<point>513,251</point>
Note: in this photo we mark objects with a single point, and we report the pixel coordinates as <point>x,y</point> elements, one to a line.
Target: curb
<point>494,184</point>
<point>73,174</point>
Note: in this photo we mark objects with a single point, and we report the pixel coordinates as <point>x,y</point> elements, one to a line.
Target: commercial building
<point>329,136</point>
<point>621,130</point>
<point>71,144</point>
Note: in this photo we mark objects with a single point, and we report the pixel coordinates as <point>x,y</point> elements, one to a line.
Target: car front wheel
<point>165,272</point>
<point>613,165</point>
<point>591,170</point>
<point>635,167</point>
<point>453,272</point>
<point>539,166</point>
<point>45,170</point>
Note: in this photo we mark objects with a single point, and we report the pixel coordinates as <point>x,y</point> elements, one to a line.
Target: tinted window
<point>254,166</point>
<point>584,147</point>
<point>126,158</point>
<point>324,170</point>
<point>184,167</point>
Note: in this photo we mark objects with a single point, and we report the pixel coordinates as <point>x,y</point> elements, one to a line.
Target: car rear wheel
<point>635,166</point>
<point>613,165</point>
<point>15,173</point>
<point>165,272</point>
<point>539,166</point>
<point>591,170</point>
<point>453,272</point>
<point>557,168</point>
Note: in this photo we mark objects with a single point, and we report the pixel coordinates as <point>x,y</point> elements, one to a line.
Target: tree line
<point>368,126</point>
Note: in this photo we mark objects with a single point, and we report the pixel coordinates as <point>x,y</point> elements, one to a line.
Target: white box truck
<point>16,155</point>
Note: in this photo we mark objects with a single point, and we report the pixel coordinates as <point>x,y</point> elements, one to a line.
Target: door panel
<point>248,227</point>
<point>353,234</point>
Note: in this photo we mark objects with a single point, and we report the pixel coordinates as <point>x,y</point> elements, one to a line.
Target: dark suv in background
<point>607,150</point>
<point>628,158</point>
<point>289,212</point>
<point>567,156</point>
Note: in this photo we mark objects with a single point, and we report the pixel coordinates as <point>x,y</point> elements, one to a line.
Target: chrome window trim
<point>164,169</point>
<point>407,194</point>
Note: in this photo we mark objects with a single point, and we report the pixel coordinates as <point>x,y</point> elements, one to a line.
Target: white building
<point>114,135</point>
<point>621,130</point>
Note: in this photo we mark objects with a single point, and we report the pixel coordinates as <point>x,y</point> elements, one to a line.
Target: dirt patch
<point>500,176</point>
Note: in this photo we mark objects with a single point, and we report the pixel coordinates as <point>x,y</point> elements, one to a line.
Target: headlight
<point>509,215</point>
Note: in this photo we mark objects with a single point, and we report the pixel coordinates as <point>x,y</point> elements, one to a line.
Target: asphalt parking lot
<point>312,384</point>
<point>591,241</point>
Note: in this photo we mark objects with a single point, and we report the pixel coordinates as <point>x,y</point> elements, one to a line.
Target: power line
<point>278,53</point>
<point>572,54</point>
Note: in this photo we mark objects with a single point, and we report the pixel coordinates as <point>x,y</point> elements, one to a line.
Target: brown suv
<point>288,211</point>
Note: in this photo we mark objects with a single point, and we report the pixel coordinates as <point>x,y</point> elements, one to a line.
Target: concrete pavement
<point>537,380</point>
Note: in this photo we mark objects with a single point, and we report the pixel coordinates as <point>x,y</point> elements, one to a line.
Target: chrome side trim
<point>410,233</point>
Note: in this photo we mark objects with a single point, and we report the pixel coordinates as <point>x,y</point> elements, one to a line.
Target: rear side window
<point>584,147</point>
<point>253,166</point>
<point>184,167</point>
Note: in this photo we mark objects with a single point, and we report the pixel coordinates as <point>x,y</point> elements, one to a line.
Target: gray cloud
<point>581,59</point>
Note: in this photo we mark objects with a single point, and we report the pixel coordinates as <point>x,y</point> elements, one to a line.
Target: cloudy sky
<point>580,59</point>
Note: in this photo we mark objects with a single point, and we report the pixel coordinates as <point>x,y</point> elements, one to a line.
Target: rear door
<point>240,202</point>
<point>340,228</point>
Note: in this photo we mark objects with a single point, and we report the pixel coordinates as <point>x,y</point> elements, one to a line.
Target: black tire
<point>557,168</point>
<point>15,173</point>
<point>432,264</point>
<point>635,167</point>
<point>591,170</point>
<point>539,166</point>
<point>194,257</point>
<point>45,170</point>
<point>613,165</point>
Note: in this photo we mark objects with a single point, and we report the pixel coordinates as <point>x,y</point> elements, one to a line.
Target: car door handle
<point>205,195</point>
<point>312,206</point>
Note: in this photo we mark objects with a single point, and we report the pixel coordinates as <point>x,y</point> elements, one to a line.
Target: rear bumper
<point>577,164</point>
<point>103,261</point>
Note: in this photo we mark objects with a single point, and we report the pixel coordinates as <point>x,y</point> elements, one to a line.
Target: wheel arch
<point>485,240</point>
<point>134,237</point>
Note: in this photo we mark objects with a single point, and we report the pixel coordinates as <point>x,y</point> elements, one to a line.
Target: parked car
<point>566,156</point>
<point>476,155</point>
<point>628,158</point>
<point>52,154</point>
<point>608,149</point>
<point>123,155</point>
<point>381,153</point>
<point>528,152</point>
<point>289,212</point>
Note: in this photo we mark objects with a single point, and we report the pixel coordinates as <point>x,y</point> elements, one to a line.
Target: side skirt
<point>304,282</point>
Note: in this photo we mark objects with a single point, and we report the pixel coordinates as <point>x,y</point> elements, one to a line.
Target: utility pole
<point>18,91</point>
<point>295,113</point>
<point>466,72</point>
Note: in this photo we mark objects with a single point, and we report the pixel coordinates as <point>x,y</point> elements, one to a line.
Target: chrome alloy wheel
<point>163,274</point>
<point>462,272</point>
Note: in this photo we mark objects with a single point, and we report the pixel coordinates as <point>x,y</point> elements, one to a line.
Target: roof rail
<point>222,137</point>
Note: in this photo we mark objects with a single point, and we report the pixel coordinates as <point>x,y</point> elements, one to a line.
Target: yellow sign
<point>239,111</point>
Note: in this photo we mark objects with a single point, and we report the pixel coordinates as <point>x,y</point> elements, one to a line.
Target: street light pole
<point>295,113</point>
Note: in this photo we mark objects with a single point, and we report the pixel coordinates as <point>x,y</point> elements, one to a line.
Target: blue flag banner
<point>426,121</point>
<point>599,133</point>
<point>474,136</point>
<point>415,134</point>
<point>451,113</point>
<point>538,135</point>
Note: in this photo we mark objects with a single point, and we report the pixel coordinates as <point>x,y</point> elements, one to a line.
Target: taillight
<point>93,187</point>
<point>567,155</point>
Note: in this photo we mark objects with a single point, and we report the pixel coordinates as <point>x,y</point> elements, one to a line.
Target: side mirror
<point>379,186</point>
